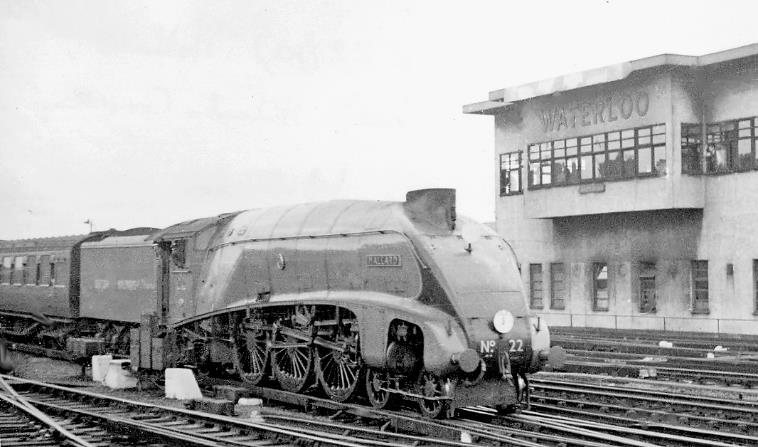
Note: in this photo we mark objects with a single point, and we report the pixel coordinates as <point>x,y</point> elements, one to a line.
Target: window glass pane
<point>644,131</point>
<point>744,124</point>
<point>586,167</point>
<point>559,153</point>
<point>559,144</point>
<point>534,152</point>
<point>659,139</point>
<point>629,133</point>
<point>515,181</point>
<point>599,166</point>
<point>544,151</point>
<point>557,286</point>
<point>546,180</point>
<point>571,142</point>
<point>600,289</point>
<point>659,160</point>
<point>30,272</point>
<point>559,171</point>
<point>628,142</point>
<point>629,164</point>
<point>572,166</point>
<point>745,133</point>
<point>614,145</point>
<point>570,151</point>
<point>644,140</point>
<point>586,145</point>
<point>535,285</point>
<point>615,165</point>
<point>644,161</point>
<point>661,128</point>
<point>534,173</point>
<point>744,154</point>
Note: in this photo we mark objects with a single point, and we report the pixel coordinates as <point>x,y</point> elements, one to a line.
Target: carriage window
<point>30,270</point>
<point>700,287</point>
<point>600,286</point>
<point>535,285</point>
<point>557,286</point>
<point>5,271</point>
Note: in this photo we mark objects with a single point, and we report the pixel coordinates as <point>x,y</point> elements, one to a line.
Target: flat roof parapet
<point>499,99</point>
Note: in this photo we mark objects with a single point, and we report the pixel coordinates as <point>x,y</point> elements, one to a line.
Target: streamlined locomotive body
<point>397,299</point>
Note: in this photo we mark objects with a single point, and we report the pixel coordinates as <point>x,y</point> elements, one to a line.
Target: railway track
<point>160,425</point>
<point>700,420</point>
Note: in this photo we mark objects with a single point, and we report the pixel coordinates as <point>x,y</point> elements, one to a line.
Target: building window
<point>700,287</point>
<point>600,286</point>
<point>647,287</point>
<point>691,139</point>
<point>638,152</point>
<point>510,174</point>
<point>535,286</point>
<point>52,273</point>
<point>731,147</point>
<point>30,270</point>
<point>18,270</point>
<point>5,272</point>
<point>557,286</point>
<point>44,268</point>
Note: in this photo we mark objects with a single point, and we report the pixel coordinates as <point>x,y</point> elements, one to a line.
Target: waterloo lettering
<point>588,113</point>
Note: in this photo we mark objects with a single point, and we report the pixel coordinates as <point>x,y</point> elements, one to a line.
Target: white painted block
<point>250,401</point>
<point>100,367</point>
<point>118,378</point>
<point>181,384</point>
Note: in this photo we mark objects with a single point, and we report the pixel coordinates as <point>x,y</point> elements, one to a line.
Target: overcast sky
<point>135,113</point>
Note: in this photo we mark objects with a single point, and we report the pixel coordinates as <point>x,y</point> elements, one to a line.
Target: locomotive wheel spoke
<point>430,386</point>
<point>251,356</point>
<point>339,370</point>
<point>375,381</point>
<point>292,366</point>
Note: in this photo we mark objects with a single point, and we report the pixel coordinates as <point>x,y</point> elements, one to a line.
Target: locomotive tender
<point>397,300</point>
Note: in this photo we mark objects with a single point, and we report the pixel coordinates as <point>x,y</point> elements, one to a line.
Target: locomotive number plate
<point>383,261</point>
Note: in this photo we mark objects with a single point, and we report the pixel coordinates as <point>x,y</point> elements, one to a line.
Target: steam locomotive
<point>397,300</point>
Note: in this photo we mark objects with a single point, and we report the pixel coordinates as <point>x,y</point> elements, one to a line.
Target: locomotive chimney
<point>433,207</point>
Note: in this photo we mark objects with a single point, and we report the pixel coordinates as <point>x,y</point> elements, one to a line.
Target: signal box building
<point>630,192</point>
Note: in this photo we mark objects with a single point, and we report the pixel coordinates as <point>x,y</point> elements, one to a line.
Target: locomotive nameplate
<point>383,261</point>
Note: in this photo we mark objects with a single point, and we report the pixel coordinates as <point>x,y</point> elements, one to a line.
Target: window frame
<point>588,150</point>
<point>647,270</point>
<point>697,267</point>
<point>507,170</point>
<point>553,296</point>
<point>723,139</point>
<point>534,280</point>
<point>596,270</point>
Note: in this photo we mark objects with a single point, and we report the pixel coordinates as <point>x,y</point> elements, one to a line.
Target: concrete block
<point>232,393</point>
<point>215,406</point>
<point>100,367</point>
<point>119,375</point>
<point>181,384</point>
<point>250,409</point>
